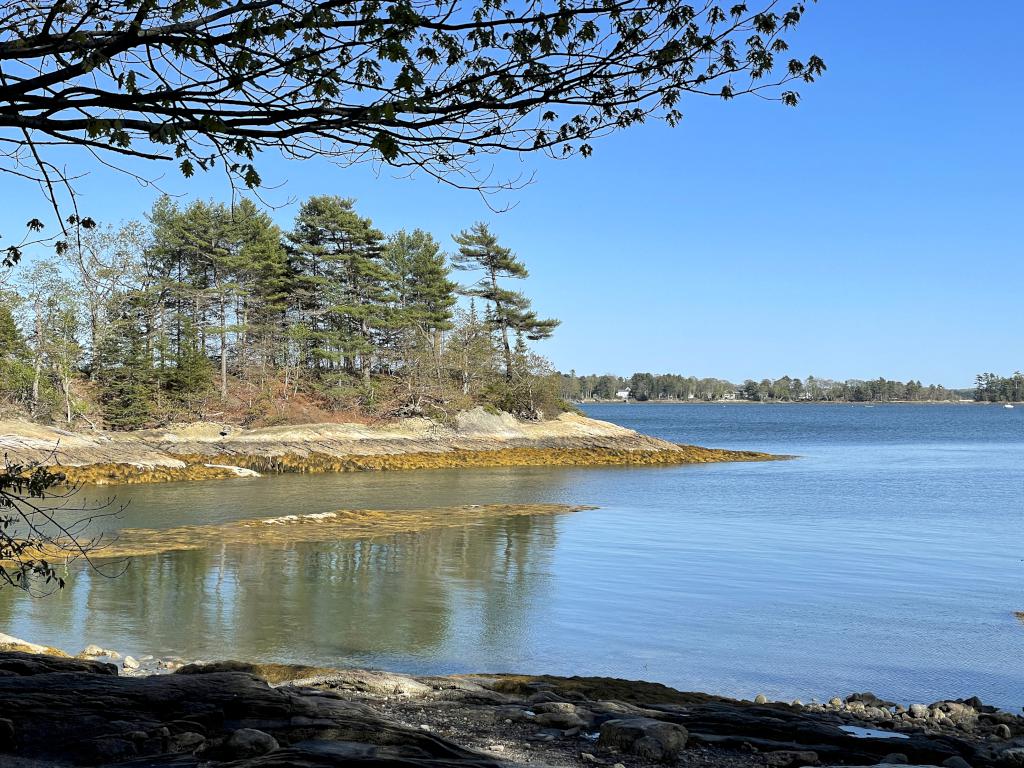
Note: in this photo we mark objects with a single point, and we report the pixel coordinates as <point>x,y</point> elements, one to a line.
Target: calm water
<point>890,558</point>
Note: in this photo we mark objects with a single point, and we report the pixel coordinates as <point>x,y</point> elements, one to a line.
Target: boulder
<point>645,737</point>
<point>248,742</point>
<point>563,720</point>
<point>10,643</point>
<point>95,651</point>
<point>1011,758</point>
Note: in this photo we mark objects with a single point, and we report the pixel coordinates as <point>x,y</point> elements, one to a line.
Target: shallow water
<point>889,557</point>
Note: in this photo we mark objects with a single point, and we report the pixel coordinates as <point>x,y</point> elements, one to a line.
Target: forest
<point>210,311</point>
<point>646,386</point>
<point>993,388</point>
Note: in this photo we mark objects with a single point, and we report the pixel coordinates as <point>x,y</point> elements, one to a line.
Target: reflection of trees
<point>337,601</point>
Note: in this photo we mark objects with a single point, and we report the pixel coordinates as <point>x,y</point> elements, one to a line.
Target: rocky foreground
<point>476,439</point>
<point>61,711</point>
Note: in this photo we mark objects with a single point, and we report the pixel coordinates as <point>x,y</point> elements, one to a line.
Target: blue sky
<point>874,230</point>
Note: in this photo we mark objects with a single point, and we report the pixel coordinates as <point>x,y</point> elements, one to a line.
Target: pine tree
<point>125,370</point>
<point>265,282</point>
<point>510,310</point>
<point>342,286</point>
<point>15,357</point>
<point>424,295</point>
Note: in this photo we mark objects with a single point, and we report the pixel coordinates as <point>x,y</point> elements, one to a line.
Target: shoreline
<point>100,709</point>
<point>205,451</point>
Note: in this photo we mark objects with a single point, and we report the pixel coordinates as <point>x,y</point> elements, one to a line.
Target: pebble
<point>760,699</point>
<point>918,711</point>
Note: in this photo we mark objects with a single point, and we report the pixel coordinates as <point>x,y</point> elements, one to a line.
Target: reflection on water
<point>406,595</point>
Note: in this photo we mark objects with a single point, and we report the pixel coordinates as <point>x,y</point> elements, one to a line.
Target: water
<point>889,557</point>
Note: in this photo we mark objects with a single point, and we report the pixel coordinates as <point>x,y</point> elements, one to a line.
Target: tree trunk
<point>503,324</point>
<point>38,358</point>
<point>223,349</point>
<point>66,382</point>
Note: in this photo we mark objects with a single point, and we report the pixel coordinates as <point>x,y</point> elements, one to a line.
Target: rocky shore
<point>100,709</point>
<point>476,439</point>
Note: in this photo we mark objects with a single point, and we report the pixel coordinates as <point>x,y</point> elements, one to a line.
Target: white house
<point>623,394</point>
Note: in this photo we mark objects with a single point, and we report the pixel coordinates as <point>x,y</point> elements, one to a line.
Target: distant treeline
<point>670,386</point>
<point>992,388</point>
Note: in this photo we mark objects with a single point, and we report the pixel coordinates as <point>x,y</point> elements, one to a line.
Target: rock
<point>786,758</point>
<point>562,714</point>
<point>586,757</point>
<point>94,651</point>
<point>797,704</point>
<point>27,664</point>
<point>105,749</point>
<point>919,711</point>
<point>249,742</point>
<point>1003,731</point>
<point>185,743</point>
<point>869,699</point>
<point>65,711</point>
<point>1011,758</point>
<point>956,762</point>
<point>10,643</point>
<point>555,706</point>
<point>645,737</point>
<point>541,697</point>
<point>760,699</point>
<point>835,702</point>
<point>561,720</point>
<point>130,663</point>
<point>894,758</point>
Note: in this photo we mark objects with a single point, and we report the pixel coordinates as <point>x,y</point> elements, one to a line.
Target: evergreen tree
<point>15,356</point>
<point>509,310</point>
<point>424,299</point>
<point>342,287</point>
<point>265,282</point>
<point>424,292</point>
<point>125,370</point>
